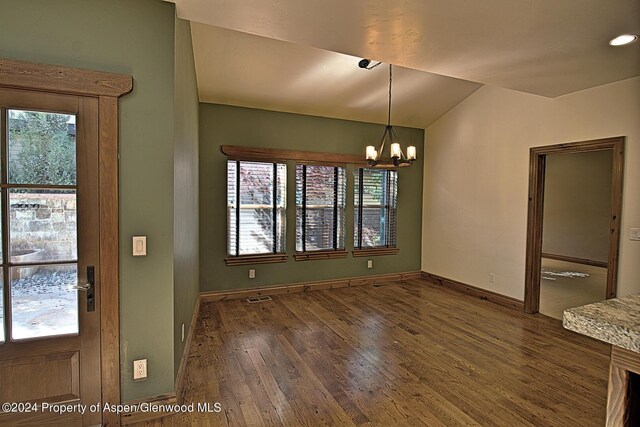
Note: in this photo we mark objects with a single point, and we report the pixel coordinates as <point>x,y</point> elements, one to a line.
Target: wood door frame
<point>537,166</point>
<point>107,88</point>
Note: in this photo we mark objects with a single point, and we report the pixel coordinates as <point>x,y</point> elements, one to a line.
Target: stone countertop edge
<point>615,321</point>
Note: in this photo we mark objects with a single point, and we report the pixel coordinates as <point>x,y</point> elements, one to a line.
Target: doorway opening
<point>602,266</point>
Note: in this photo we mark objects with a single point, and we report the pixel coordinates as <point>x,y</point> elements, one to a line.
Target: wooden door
<point>50,304</point>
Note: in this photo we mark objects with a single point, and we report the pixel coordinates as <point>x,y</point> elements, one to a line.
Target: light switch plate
<point>139,245</point>
<point>635,234</point>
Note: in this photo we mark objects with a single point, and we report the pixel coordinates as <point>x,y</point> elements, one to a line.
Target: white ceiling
<point>544,47</point>
<point>242,69</point>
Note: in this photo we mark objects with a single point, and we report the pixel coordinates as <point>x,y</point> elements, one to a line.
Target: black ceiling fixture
<point>365,63</point>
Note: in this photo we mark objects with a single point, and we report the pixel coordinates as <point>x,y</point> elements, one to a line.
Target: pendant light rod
<point>390,81</point>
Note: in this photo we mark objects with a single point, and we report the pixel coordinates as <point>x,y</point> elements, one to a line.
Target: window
<point>320,206</point>
<point>375,213</point>
<point>256,207</point>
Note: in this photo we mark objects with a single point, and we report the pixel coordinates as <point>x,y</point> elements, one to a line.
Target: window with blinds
<point>375,212</point>
<point>320,208</point>
<point>256,207</point>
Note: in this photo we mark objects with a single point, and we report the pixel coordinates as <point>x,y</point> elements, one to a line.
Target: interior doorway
<point>575,230</point>
<point>563,257</point>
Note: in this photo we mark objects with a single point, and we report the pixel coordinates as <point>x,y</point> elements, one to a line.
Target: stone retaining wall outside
<point>44,223</point>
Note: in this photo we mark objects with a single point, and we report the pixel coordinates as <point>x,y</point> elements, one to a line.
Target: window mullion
<point>387,196</point>
<point>304,208</point>
<point>360,207</point>
<point>5,227</point>
<point>237,208</point>
<point>275,207</point>
<point>3,161</point>
<point>335,208</point>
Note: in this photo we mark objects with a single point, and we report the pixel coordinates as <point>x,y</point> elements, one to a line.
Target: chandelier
<point>397,157</point>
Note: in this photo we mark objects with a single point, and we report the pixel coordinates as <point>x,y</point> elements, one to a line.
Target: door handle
<point>89,288</point>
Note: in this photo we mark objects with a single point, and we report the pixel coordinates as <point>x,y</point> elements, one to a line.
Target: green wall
<point>137,38</point>
<point>220,124</point>
<point>185,211</point>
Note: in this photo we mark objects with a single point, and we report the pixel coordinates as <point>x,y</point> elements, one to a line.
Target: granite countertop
<point>615,321</point>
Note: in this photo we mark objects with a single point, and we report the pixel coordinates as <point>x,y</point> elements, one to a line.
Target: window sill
<point>255,259</point>
<point>374,252</point>
<point>312,255</point>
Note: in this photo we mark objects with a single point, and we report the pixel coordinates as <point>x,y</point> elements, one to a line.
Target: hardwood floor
<point>559,289</point>
<point>408,353</point>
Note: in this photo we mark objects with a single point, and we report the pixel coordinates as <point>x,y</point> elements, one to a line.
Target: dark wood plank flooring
<point>408,353</point>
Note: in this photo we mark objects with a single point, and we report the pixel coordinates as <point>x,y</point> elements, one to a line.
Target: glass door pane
<point>44,301</point>
<point>42,224</point>
<point>41,148</point>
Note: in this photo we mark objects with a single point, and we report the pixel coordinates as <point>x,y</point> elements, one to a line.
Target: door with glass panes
<point>49,304</point>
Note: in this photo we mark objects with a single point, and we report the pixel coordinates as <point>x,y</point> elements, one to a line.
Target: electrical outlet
<point>183,332</point>
<point>369,264</point>
<point>492,278</point>
<point>139,369</point>
<point>252,273</point>
<point>635,234</point>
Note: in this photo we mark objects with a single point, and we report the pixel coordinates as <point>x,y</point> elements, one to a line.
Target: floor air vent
<point>253,300</point>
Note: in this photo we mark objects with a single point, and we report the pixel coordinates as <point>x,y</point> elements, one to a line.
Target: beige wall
<point>476,178</point>
<point>577,205</point>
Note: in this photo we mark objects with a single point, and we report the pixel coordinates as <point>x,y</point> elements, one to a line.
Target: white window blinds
<point>375,213</point>
<point>320,207</point>
<point>256,207</point>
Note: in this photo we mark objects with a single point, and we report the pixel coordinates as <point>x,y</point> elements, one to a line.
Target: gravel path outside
<point>44,303</point>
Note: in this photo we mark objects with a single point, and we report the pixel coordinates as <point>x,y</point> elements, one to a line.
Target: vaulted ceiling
<point>301,56</point>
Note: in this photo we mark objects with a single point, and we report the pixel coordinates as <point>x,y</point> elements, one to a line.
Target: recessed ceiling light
<point>623,39</point>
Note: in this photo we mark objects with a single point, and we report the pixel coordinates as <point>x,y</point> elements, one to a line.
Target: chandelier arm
<point>382,143</point>
<point>393,135</point>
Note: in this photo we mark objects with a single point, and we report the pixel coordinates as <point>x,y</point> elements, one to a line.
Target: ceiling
<point>293,55</point>
<point>242,69</point>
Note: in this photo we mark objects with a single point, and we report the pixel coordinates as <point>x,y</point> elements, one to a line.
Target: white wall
<point>476,178</point>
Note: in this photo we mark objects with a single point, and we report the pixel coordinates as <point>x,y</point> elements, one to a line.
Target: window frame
<point>258,258</point>
<point>337,251</point>
<point>387,249</point>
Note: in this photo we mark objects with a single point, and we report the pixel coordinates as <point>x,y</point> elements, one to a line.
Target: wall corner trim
<point>484,294</point>
<point>181,376</point>
<point>132,417</point>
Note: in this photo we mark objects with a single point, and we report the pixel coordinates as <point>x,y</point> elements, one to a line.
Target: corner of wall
<point>186,193</point>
